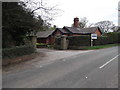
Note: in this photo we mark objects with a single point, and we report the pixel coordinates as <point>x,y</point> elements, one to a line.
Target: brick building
<point>48,37</point>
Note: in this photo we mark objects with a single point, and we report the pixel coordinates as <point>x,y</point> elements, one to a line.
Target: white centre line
<point>108,61</point>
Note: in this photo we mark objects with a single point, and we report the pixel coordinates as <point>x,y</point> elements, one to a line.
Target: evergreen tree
<point>17,22</point>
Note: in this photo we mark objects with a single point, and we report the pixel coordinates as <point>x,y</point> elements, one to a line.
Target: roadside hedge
<point>79,40</point>
<point>109,38</point>
<point>41,45</point>
<point>113,37</point>
<point>101,41</point>
<point>17,51</point>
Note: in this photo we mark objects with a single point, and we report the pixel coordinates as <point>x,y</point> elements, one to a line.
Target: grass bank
<point>99,47</point>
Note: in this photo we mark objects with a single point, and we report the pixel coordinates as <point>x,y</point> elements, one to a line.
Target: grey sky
<point>94,10</point>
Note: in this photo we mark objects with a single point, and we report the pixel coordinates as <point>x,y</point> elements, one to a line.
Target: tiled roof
<point>76,30</point>
<point>68,30</point>
<point>89,30</point>
<point>44,34</point>
<point>72,29</point>
<point>63,30</point>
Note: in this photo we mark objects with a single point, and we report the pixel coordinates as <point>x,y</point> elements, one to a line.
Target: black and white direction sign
<point>93,36</point>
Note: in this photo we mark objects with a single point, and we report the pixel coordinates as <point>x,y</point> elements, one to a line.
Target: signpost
<point>93,36</point>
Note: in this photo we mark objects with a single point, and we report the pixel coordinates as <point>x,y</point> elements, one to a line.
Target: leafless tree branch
<point>41,8</point>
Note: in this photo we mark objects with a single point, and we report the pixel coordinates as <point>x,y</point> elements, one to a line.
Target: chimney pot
<point>76,22</point>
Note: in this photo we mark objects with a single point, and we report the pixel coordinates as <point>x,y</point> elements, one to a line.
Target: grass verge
<point>99,47</point>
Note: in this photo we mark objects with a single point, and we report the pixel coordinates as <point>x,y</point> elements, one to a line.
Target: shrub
<point>17,51</point>
<point>50,46</point>
<point>101,41</point>
<point>113,37</point>
<point>119,37</point>
<point>79,40</point>
<point>41,45</point>
<point>109,38</point>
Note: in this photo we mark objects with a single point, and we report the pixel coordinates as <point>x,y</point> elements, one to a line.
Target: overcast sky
<point>94,10</point>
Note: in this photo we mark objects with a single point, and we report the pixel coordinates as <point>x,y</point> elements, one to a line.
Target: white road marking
<point>108,61</point>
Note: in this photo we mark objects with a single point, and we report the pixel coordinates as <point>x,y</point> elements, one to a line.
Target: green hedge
<point>113,37</point>
<point>101,41</point>
<point>17,51</point>
<point>41,45</point>
<point>109,38</point>
<point>74,41</point>
<point>79,40</point>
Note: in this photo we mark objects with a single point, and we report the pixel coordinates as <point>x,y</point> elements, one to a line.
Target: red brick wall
<point>44,40</point>
<point>98,33</point>
<point>52,38</point>
<point>41,40</point>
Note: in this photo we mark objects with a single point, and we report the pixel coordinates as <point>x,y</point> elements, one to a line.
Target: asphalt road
<point>95,69</point>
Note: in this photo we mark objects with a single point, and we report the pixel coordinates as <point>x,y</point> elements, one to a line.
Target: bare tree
<point>42,8</point>
<point>115,28</point>
<point>106,26</point>
<point>83,22</point>
<point>90,25</point>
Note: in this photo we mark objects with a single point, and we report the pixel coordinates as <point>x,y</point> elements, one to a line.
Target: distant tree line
<point>105,26</point>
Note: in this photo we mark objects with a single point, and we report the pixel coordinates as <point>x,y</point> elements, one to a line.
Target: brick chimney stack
<point>76,22</point>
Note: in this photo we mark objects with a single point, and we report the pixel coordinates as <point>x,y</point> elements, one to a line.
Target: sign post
<point>93,36</point>
<point>91,42</point>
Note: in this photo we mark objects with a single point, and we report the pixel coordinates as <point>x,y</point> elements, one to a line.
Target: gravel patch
<point>45,56</point>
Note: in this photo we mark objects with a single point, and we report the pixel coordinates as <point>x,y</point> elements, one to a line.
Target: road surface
<point>94,69</point>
